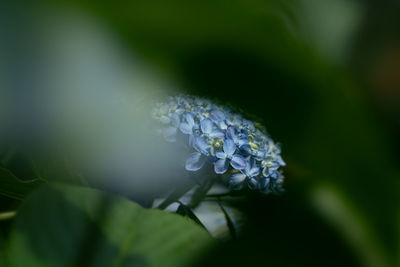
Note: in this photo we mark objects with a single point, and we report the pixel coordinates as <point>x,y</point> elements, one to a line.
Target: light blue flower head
<point>234,145</point>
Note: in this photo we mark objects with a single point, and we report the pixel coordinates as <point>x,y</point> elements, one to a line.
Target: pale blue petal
<point>252,168</point>
<point>175,120</point>
<point>238,162</point>
<point>229,147</point>
<point>230,132</point>
<point>194,162</point>
<point>165,120</point>
<point>220,155</point>
<point>217,134</point>
<point>169,134</point>
<point>274,175</point>
<point>281,162</point>
<point>191,140</point>
<point>221,166</point>
<point>180,111</point>
<point>223,125</point>
<point>236,181</point>
<point>206,126</point>
<point>259,154</point>
<point>243,141</point>
<point>201,145</point>
<point>264,183</point>
<point>245,149</point>
<point>265,172</point>
<point>254,171</point>
<point>253,183</point>
<point>189,119</point>
<point>217,115</point>
<point>186,128</point>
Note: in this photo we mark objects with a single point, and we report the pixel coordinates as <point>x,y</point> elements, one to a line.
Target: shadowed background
<point>322,76</point>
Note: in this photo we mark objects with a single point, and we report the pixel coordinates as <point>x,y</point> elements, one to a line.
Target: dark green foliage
<point>15,188</point>
<point>73,226</point>
<point>341,205</point>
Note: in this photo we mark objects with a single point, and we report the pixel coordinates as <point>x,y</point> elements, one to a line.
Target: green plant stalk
<point>7,215</point>
<point>201,192</point>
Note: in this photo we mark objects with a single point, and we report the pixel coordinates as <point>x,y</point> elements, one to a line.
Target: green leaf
<point>13,187</point>
<point>73,226</point>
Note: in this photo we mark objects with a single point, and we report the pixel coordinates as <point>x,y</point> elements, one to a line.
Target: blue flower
<point>210,130</point>
<point>197,159</point>
<point>188,124</point>
<point>239,139</point>
<point>270,165</point>
<point>170,131</point>
<point>227,156</point>
<point>226,139</point>
<point>219,118</point>
<point>249,173</point>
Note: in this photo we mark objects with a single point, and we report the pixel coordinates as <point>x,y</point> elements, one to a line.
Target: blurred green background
<point>323,76</point>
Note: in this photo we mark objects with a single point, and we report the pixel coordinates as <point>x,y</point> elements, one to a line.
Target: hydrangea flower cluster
<point>234,145</point>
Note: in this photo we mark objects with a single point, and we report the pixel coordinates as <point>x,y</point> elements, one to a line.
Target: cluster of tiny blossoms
<point>233,144</point>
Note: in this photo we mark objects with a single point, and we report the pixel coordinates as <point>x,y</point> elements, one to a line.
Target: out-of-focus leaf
<point>13,187</point>
<point>333,37</point>
<point>73,226</point>
<point>339,212</point>
<point>241,53</point>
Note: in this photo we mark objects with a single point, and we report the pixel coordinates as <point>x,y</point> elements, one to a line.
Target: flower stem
<point>174,196</point>
<point>229,221</point>
<point>227,194</point>
<point>201,192</point>
<point>7,215</point>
